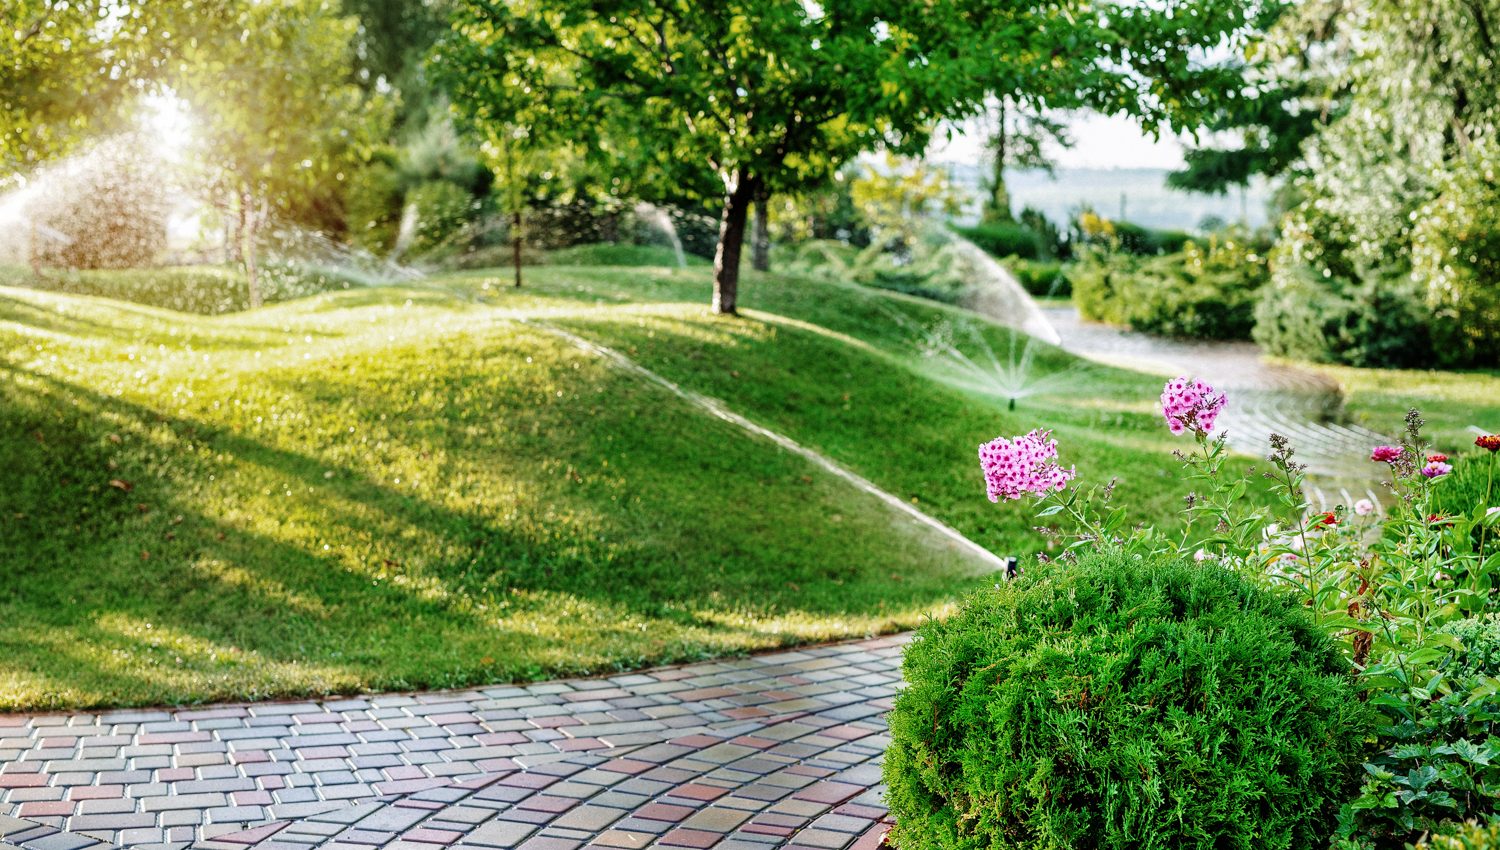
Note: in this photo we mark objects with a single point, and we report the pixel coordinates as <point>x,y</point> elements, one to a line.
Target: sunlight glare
<point>167,118</point>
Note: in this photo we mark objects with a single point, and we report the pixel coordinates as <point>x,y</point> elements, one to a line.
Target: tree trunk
<point>731,241</point>
<point>237,252</point>
<point>760,247</point>
<point>997,207</point>
<point>248,225</point>
<point>251,273</point>
<point>515,243</point>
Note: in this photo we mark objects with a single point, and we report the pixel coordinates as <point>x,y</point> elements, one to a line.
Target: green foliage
<point>1006,239</point>
<point>1204,292</point>
<point>441,210</point>
<point>1053,243</point>
<point>1470,836</point>
<point>1377,321</point>
<point>1439,766</point>
<point>279,117</point>
<point>1397,187</point>
<point>1092,229</point>
<point>65,76</point>
<point>1456,258</point>
<point>1042,278</point>
<point>673,92</point>
<point>1120,702</point>
<point>373,207</point>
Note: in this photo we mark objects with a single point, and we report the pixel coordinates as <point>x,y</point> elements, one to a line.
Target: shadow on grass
<point>553,530</point>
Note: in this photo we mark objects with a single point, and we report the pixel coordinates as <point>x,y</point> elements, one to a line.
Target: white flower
<point>1364,507</point>
<point>1201,555</point>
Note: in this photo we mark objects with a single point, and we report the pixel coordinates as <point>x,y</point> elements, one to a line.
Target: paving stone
<point>753,748</point>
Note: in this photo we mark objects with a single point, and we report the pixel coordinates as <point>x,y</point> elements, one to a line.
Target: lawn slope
<point>420,486</point>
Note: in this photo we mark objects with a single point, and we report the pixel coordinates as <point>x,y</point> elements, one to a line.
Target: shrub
<point>1100,232</point>
<point>373,203</point>
<point>1123,702</point>
<point>1456,259</point>
<point>1004,239</point>
<point>442,208</point>
<point>1373,321</point>
<point>1053,244</point>
<point>1201,292</point>
<point>104,211</point>
<point>1471,836</point>
<point>1040,277</point>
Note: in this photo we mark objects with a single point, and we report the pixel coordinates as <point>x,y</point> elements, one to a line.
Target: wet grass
<point>1453,403</point>
<point>418,486</point>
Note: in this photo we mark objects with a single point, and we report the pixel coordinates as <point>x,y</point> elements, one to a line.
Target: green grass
<point>613,254</point>
<point>1451,402</point>
<point>417,486</point>
<point>206,290</point>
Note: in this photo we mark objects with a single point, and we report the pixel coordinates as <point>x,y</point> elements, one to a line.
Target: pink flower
<point>1435,468</point>
<point>1386,454</point>
<point>1189,404</point>
<point>1021,466</point>
<point>1364,507</point>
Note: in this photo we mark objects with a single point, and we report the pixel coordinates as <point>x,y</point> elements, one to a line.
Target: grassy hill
<point>421,486</point>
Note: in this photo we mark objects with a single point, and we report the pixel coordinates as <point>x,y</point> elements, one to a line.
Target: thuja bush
<point>1124,702</point>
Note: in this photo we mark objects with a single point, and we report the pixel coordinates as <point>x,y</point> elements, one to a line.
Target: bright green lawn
<point>410,487</point>
<point>1451,402</point>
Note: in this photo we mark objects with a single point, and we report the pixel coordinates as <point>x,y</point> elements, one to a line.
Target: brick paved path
<point>778,750</point>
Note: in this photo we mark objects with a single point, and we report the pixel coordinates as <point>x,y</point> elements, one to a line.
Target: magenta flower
<point>1436,468</point>
<point>1189,404</point>
<point>1386,454</point>
<point>1021,466</point>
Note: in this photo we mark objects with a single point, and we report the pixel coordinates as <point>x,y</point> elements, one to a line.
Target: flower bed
<point>1101,699</point>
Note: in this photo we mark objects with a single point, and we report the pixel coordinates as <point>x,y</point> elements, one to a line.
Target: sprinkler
<point>1012,403</point>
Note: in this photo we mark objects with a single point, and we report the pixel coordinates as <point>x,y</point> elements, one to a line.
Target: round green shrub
<point>1123,703</point>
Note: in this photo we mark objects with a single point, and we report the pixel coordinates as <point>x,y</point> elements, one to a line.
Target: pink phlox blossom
<point>1022,466</point>
<point>1189,404</point>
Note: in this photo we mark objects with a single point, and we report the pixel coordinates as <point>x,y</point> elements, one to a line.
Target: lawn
<point>1453,403</point>
<point>420,486</point>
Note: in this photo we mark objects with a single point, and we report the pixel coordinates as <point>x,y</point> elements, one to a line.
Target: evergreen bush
<point>1121,702</point>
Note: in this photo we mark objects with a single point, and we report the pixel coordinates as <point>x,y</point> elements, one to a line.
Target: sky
<point>1099,142</point>
<point>1113,167</point>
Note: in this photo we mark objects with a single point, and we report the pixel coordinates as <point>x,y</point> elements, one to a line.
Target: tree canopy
<point>67,67</point>
<point>774,95</point>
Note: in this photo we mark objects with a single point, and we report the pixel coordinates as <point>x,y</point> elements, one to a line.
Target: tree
<point>1390,179</point>
<point>771,95</point>
<point>278,111</point>
<point>1019,140</point>
<point>1298,84</point>
<point>65,74</point>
